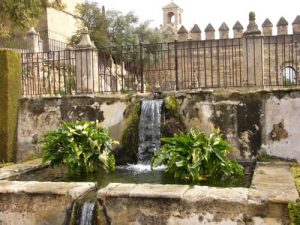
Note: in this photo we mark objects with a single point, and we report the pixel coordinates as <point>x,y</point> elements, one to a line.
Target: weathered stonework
<point>261,204</point>
<point>36,203</point>
<point>253,121</point>
<point>37,116</point>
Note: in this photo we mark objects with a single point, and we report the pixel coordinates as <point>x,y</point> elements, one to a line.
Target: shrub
<point>82,146</point>
<point>194,156</point>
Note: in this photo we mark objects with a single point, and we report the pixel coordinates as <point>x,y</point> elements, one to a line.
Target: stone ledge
<point>273,183</point>
<point>209,194</point>
<point>74,189</point>
<point>143,190</point>
<point>17,169</point>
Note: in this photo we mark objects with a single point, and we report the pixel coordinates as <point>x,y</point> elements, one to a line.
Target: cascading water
<point>87,213</point>
<point>149,129</point>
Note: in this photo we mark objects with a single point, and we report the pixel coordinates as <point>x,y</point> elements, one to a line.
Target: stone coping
<point>272,183</point>
<point>74,189</point>
<point>17,169</point>
<point>170,191</point>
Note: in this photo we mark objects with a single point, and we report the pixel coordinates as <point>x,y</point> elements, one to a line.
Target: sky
<point>210,11</point>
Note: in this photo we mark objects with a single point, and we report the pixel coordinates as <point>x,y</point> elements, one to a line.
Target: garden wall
<point>253,121</point>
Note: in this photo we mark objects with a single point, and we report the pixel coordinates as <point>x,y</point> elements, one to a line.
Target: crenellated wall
<point>252,58</point>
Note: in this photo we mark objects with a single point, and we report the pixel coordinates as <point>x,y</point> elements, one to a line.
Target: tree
<point>113,28</point>
<point>23,13</point>
<point>95,20</point>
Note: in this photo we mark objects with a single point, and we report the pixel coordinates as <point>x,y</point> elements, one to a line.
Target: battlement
<point>238,31</point>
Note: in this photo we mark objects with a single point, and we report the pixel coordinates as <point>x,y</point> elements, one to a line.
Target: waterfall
<point>149,129</point>
<point>87,212</point>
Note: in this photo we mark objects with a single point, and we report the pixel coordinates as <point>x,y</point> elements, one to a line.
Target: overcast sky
<point>210,11</point>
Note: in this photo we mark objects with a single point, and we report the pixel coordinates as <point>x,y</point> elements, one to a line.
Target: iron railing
<point>23,45</point>
<point>224,63</point>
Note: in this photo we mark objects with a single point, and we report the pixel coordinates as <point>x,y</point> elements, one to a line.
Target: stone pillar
<point>209,32</point>
<point>224,31</point>
<point>87,80</point>
<point>195,33</point>
<point>10,94</point>
<point>33,39</point>
<point>182,34</point>
<point>253,59</point>
<point>282,26</point>
<point>237,30</point>
<point>296,25</point>
<point>267,27</point>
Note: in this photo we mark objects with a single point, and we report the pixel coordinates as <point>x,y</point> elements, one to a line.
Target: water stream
<point>87,213</point>
<point>149,130</point>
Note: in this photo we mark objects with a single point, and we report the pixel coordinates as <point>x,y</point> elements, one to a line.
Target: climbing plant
<point>82,146</point>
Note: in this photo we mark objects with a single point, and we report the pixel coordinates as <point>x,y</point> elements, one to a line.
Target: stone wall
<point>260,204</point>
<point>37,116</point>
<point>51,23</point>
<point>36,203</point>
<point>253,121</point>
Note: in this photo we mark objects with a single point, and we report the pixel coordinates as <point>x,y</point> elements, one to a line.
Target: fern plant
<point>194,156</point>
<point>82,146</point>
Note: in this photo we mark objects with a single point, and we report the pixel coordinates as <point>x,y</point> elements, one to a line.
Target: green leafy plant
<point>194,156</point>
<point>294,213</point>
<point>82,146</point>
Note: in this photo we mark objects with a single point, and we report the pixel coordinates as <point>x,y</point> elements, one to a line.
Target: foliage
<point>82,146</point>
<point>194,156</point>
<point>23,13</point>
<point>294,208</point>
<point>171,104</point>
<point>294,213</point>
<point>130,137</point>
<point>10,86</point>
<point>113,28</point>
<point>173,123</point>
<point>264,157</point>
<point>296,173</point>
<point>95,20</point>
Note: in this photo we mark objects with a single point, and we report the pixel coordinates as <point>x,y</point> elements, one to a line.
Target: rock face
<point>182,204</point>
<point>36,203</point>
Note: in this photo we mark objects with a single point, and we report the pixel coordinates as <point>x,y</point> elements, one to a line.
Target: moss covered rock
<point>130,138</point>
<point>10,93</point>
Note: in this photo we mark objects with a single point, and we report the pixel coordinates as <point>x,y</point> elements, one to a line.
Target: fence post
<point>142,67</point>
<point>176,66</point>
<point>87,80</point>
<point>33,40</point>
<point>253,54</point>
<point>10,94</point>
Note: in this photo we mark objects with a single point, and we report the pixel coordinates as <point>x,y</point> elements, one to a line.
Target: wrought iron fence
<point>225,63</point>
<point>23,45</point>
<point>19,44</point>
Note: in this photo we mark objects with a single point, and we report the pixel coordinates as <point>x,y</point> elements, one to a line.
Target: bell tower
<point>172,16</point>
